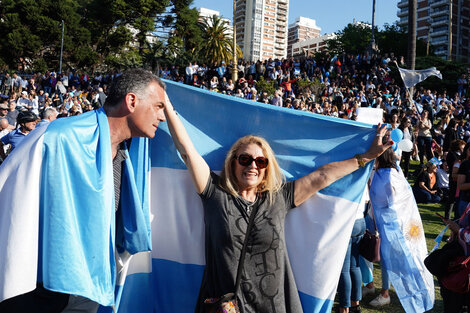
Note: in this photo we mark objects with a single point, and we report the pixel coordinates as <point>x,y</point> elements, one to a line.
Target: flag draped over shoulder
<point>403,246</point>
<point>58,224</point>
<point>412,77</point>
<point>317,233</point>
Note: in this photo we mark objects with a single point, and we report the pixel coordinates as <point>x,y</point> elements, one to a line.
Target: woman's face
<point>250,176</point>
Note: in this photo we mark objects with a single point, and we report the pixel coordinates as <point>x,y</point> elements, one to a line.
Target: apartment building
<point>206,14</point>
<point>261,28</point>
<point>310,46</point>
<point>302,29</point>
<point>444,24</point>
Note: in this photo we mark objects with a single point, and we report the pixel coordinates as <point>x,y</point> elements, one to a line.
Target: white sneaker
<point>367,291</point>
<point>380,301</point>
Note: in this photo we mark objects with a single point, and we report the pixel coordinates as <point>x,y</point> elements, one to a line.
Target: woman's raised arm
<point>307,186</point>
<point>196,165</point>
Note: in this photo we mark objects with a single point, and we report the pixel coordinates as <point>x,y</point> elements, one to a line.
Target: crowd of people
<point>434,122</point>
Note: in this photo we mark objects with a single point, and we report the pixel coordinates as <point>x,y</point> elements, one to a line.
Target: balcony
<point>281,18</point>
<point>282,6</point>
<point>440,12</point>
<point>402,13</point>
<point>402,4</point>
<point>438,3</point>
<point>403,22</point>
<point>439,42</point>
<point>439,33</point>
<point>440,22</point>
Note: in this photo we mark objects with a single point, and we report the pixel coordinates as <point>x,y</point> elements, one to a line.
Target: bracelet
<point>360,160</point>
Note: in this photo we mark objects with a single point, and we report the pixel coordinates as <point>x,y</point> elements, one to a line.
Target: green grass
<point>432,227</point>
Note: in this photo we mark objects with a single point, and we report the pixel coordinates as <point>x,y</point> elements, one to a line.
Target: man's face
<point>148,112</point>
<point>29,126</point>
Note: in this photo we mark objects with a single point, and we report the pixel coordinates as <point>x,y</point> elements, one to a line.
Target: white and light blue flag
<point>403,245</point>
<point>57,216</point>
<point>317,233</point>
<point>412,77</point>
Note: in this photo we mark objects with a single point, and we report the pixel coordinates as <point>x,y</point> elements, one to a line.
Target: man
<point>12,114</point>
<point>101,97</point>
<point>23,101</point>
<point>26,123</point>
<point>6,84</point>
<point>4,109</point>
<point>49,115</point>
<point>5,128</point>
<point>81,229</point>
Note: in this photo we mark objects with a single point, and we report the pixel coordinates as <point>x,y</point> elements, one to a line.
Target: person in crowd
<point>26,123</point>
<point>405,127</point>
<point>450,134</point>
<point>424,137</point>
<point>94,147</point>
<point>252,178</point>
<point>463,181</point>
<point>350,281</point>
<point>393,206</point>
<point>460,232</point>
<point>453,160</point>
<point>425,188</point>
<point>49,115</point>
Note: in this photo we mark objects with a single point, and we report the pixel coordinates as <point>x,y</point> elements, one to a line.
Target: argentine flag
<point>58,223</point>
<point>317,233</point>
<point>403,246</point>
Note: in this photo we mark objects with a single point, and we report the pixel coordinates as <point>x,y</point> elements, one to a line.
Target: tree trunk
<point>411,33</point>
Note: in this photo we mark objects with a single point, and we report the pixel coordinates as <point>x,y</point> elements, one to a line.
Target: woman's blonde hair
<point>273,177</point>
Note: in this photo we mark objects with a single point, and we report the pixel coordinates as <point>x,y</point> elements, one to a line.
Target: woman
<point>405,127</point>
<point>453,161</point>
<point>424,137</point>
<point>454,302</point>
<point>450,134</point>
<point>425,187</point>
<point>395,210</point>
<point>252,178</point>
<point>350,280</point>
<point>463,181</point>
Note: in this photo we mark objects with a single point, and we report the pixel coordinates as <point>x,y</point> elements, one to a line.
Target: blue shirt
<point>14,138</point>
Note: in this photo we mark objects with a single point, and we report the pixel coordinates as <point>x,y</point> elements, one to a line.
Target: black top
<point>267,283</point>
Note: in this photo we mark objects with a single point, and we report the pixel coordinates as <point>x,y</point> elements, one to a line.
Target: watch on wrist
<point>360,160</point>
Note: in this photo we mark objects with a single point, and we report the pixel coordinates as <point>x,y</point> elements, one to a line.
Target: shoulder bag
<point>228,303</point>
<point>369,246</point>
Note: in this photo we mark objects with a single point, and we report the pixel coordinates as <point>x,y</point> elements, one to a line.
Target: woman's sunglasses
<point>246,159</point>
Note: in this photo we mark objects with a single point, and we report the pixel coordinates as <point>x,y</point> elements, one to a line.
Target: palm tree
<point>218,45</point>
<point>411,33</point>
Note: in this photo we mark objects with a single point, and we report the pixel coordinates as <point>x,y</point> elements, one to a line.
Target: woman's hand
<point>453,226</point>
<point>377,147</point>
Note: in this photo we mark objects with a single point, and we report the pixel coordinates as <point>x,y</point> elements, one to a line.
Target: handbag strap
<point>373,217</point>
<point>245,244</point>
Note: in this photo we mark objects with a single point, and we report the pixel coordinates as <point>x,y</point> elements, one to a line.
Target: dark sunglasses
<point>246,159</point>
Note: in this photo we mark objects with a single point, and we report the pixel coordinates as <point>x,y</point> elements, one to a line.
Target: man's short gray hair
<point>133,80</point>
<point>49,112</point>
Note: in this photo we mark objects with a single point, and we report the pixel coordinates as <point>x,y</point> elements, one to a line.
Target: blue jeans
<point>423,196</point>
<point>424,146</point>
<point>350,281</point>
<point>385,280</point>
<point>461,208</point>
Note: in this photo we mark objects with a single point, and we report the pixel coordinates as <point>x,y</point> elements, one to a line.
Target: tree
<point>218,44</point>
<point>394,39</point>
<point>411,33</point>
<point>354,38</point>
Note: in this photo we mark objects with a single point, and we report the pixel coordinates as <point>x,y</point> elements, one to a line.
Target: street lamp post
<point>373,46</point>
<point>61,48</point>
<point>234,46</point>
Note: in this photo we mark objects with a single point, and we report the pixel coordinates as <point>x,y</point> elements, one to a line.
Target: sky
<point>330,15</point>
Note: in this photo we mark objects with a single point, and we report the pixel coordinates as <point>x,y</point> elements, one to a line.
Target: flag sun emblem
<point>413,231</point>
